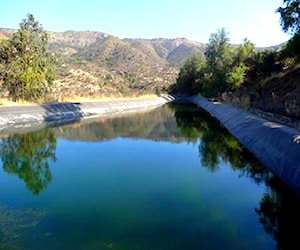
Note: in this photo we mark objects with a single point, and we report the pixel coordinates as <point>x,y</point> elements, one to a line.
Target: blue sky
<point>192,19</point>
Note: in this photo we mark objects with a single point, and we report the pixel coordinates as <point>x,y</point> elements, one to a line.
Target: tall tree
<point>187,80</point>
<point>27,70</point>
<point>219,55</point>
<point>239,68</point>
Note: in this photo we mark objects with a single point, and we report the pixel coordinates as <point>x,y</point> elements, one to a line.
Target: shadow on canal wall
<point>57,114</point>
<point>34,117</point>
<point>275,145</point>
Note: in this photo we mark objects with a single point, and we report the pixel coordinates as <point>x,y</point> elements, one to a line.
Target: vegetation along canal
<point>170,178</point>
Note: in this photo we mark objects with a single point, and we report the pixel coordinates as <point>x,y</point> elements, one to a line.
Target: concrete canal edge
<point>32,117</point>
<point>277,146</point>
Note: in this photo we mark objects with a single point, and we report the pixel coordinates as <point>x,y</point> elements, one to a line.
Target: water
<point>172,178</point>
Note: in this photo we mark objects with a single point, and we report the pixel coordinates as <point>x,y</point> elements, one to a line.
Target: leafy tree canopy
<point>26,65</point>
<point>290,16</point>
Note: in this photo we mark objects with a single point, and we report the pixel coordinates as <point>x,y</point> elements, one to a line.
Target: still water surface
<point>171,178</point>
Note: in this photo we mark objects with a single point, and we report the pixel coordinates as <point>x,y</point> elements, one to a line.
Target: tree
<point>290,16</point>
<point>218,52</point>
<point>27,67</point>
<point>187,80</point>
<point>245,51</point>
<point>243,55</point>
<point>236,76</point>
<point>219,55</point>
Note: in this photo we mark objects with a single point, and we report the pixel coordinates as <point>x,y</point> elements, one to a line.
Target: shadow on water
<point>278,210</point>
<point>28,156</point>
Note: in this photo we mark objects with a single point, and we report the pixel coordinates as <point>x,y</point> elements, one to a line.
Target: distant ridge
<point>91,64</point>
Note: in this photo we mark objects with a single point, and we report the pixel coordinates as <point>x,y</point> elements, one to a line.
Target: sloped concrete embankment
<point>277,146</point>
<point>17,118</point>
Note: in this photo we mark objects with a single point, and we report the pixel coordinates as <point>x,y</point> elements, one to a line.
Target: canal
<point>170,178</point>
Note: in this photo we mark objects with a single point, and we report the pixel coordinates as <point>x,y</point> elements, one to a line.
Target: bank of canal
<point>49,114</point>
<point>276,145</point>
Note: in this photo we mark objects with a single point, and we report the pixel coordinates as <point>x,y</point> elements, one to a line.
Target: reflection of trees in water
<point>216,142</point>
<point>279,208</point>
<point>279,214</point>
<point>13,223</point>
<point>157,124</point>
<point>27,156</point>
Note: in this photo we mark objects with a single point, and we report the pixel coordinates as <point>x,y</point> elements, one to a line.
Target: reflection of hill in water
<point>158,124</point>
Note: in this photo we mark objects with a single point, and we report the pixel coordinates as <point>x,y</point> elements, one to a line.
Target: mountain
<point>93,64</point>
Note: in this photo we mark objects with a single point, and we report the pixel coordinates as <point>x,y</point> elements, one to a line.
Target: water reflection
<point>216,144</point>
<point>278,209</point>
<point>27,156</point>
<point>278,212</point>
<point>13,223</point>
<point>157,125</point>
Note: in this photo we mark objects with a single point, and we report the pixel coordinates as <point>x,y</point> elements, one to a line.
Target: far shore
<point>19,115</point>
<point>5,102</point>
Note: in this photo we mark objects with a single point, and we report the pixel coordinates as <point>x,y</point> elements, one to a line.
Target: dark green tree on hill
<point>187,80</point>
<point>224,67</point>
<point>290,16</point>
<point>26,66</point>
<point>290,23</point>
<point>219,55</point>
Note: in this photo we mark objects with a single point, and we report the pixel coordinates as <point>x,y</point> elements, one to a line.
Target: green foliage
<point>236,76</point>
<point>186,82</point>
<point>292,48</point>
<point>290,16</point>
<point>216,143</point>
<point>290,22</point>
<point>227,65</point>
<point>245,51</point>
<point>218,52</point>
<point>261,66</point>
<point>26,66</point>
<point>27,155</point>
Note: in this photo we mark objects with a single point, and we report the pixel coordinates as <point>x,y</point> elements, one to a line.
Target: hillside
<point>92,64</point>
<point>279,94</point>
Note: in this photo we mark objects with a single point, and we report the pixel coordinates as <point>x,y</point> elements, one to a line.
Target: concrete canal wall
<point>277,146</point>
<point>16,118</point>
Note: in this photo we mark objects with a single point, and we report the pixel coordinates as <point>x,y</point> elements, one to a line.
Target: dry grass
<point>6,102</point>
<point>106,98</point>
